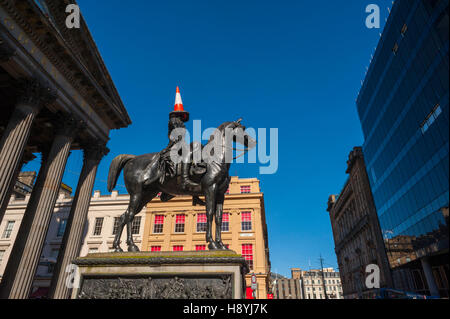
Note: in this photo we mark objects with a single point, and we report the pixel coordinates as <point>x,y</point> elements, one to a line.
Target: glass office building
<point>403,107</point>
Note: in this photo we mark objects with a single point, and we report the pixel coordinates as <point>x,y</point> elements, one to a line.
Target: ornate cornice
<point>6,51</point>
<point>77,71</point>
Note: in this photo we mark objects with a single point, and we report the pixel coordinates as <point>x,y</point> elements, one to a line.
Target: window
<point>226,222</point>
<point>2,253</point>
<point>54,253</point>
<point>61,227</point>
<point>8,229</point>
<point>247,253</point>
<point>431,118</point>
<point>155,248</point>
<point>395,49</point>
<point>178,248</point>
<point>404,29</point>
<point>116,225</point>
<point>246,219</point>
<point>179,223</point>
<point>201,223</point>
<point>200,247</point>
<point>245,189</point>
<point>136,225</point>
<point>159,223</point>
<point>98,226</point>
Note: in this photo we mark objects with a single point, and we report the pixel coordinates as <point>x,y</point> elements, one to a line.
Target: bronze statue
<point>147,175</point>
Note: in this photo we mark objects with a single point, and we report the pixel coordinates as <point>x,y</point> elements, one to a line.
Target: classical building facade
<point>56,96</point>
<point>312,284</point>
<point>287,288</point>
<point>403,106</point>
<point>356,231</point>
<point>98,232</point>
<point>318,283</point>
<point>177,225</point>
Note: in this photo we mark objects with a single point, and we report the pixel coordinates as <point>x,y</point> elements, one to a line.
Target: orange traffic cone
<point>178,108</point>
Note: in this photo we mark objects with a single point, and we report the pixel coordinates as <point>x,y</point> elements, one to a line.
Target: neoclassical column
<point>21,268</point>
<point>72,240</point>
<point>33,95</point>
<point>27,157</point>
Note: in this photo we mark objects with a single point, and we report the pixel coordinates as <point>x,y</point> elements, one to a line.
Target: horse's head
<point>240,136</point>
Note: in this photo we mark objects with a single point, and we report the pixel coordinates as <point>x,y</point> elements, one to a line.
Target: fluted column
<point>21,268</point>
<point>25,160</point>
<point>34,94</point>
<point>72,240</point>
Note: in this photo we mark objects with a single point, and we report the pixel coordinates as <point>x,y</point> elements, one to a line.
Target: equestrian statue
<point>151,174</point>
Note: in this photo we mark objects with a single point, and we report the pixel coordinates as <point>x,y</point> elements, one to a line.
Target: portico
<point>56,95</point>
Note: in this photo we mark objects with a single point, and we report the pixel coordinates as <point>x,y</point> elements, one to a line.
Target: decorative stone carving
<point>94,150</point>
<point>6,51</point>
<point>154,287</point>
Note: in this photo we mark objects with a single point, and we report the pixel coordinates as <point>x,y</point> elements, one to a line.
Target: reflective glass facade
<point>403,107</point>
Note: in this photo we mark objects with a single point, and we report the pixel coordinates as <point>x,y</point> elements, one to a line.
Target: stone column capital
<point>35,93</point>
<point>68,125</point>
<point>94,150</point>
<point>6,51</point>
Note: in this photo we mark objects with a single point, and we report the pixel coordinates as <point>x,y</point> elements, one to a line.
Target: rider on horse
<point>177,118</point>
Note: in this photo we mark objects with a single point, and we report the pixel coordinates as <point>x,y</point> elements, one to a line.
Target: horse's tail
<point>115,168</point>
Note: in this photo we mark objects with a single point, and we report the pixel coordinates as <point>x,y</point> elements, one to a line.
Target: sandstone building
<point>356,231</point>
<point>312,284</point>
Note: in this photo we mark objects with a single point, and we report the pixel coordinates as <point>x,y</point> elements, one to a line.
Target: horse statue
<point>213,182</point>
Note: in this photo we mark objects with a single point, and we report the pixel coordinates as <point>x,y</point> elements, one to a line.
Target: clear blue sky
<point>293,65</point>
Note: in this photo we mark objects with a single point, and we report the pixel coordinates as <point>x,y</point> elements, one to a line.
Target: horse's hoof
<point>221,246</point>
<point>133,248</point>
<point>118,250</point>
<point>213,246</point>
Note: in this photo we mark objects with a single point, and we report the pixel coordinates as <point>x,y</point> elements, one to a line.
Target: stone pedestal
<point>161,275</point>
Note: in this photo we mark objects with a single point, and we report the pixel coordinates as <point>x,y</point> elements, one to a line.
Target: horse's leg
<point>210,198</point>
<point>136,204</point>
<point>133,209</point>
<point>219,211</point>
<point>122,222</point>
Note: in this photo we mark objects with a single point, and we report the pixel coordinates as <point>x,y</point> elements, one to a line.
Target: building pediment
<point>73,52</point>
